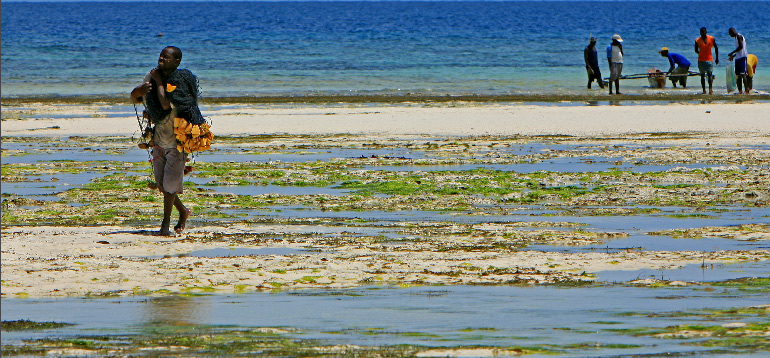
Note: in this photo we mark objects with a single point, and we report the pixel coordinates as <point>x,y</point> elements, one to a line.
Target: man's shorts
<point>682,79</point>
<point>740,66</point>
<point>705,67</point>
<point>615,70</point>
<point>168,165</point>
<point>597,74</point>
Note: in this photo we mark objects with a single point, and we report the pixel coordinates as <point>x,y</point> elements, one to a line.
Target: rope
<point>645,75</point>
<point>144,127</point>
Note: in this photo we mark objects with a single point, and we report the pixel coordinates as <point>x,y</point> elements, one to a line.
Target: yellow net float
<point>192,137</point>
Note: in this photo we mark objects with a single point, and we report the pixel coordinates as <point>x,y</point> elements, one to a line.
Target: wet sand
<point>124,260</point>
<point>70,261</point>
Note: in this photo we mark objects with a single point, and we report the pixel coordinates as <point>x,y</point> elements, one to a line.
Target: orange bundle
<point>192,137</point>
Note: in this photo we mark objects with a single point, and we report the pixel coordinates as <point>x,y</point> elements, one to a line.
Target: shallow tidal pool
<point>454,206</point>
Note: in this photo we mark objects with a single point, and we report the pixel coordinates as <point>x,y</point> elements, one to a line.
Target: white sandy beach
<point>459,119</point>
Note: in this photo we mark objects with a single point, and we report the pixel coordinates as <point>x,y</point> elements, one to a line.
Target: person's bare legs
<point>749,84</point>
<point>184,213</point>
<point>171,201</point>
<point>168,205</point>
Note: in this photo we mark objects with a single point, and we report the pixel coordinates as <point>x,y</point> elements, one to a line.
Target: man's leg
<point>683,78</point>
<point>739,81</point>
<point>711,83</point>
<point>184,213</point>
<point>703,83</point>
<point>168,205</point>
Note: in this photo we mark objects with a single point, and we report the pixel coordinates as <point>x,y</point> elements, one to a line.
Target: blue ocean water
<point>301,48</point>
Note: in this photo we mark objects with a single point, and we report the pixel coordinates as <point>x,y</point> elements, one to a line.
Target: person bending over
<point>678,74</point>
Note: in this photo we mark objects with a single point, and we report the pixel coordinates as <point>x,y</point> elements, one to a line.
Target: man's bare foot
<point>163,232</point>
<point>711,92</point>
<point>180,226</point>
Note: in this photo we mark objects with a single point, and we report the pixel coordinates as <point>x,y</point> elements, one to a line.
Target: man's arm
<point>740,46</point>
<point>670,64</point>
<point>697,49</point>
<point>585,58</point>
<point>140,91</point>
<point>716,52</point>
<point>164,102</point>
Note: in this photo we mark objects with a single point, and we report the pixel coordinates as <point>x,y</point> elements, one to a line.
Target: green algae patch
<point>193,340</point>
<point>744,232</point>
<point>749,285</point>
<point>743,329</point>
<point>747,337</point>
<point>26,325</point>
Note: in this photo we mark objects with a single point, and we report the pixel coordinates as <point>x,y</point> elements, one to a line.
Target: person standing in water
<point>703,45</point>
<point>592,63</point>
<point>615,58</point>
<point>740,54</point>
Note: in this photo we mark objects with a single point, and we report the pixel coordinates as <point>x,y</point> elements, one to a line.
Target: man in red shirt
<point>703,45</point>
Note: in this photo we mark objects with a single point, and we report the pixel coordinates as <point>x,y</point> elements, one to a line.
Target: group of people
<point>679,66</point>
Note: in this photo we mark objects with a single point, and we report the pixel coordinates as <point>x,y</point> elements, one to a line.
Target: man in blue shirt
<point>682,67</point>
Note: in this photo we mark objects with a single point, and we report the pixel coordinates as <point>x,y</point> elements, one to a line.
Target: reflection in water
<point>429,316</point>
<point>174,311</point>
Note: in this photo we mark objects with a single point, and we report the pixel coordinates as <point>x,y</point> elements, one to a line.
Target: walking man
<point>592,63</point>
<point>740,54</point>
<point>703,45</point>
<point>168,93</point>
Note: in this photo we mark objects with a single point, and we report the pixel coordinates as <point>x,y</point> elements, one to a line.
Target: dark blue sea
<point>359,48</point>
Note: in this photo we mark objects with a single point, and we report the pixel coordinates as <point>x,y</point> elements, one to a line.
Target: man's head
<point>592,41</point>
<point>663,51</point>
<point>703,32</point>
<point>169,59</point>
<point>732,32</point>
<point>616,38</point>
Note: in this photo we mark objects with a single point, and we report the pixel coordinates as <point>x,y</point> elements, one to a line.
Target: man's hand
<point>156,75</point>
<point>140,91</point>
<point>716,61</point>
<point>144,88</point>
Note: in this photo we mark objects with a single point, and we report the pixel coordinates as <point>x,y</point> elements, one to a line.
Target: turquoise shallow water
<point>305,48</point>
